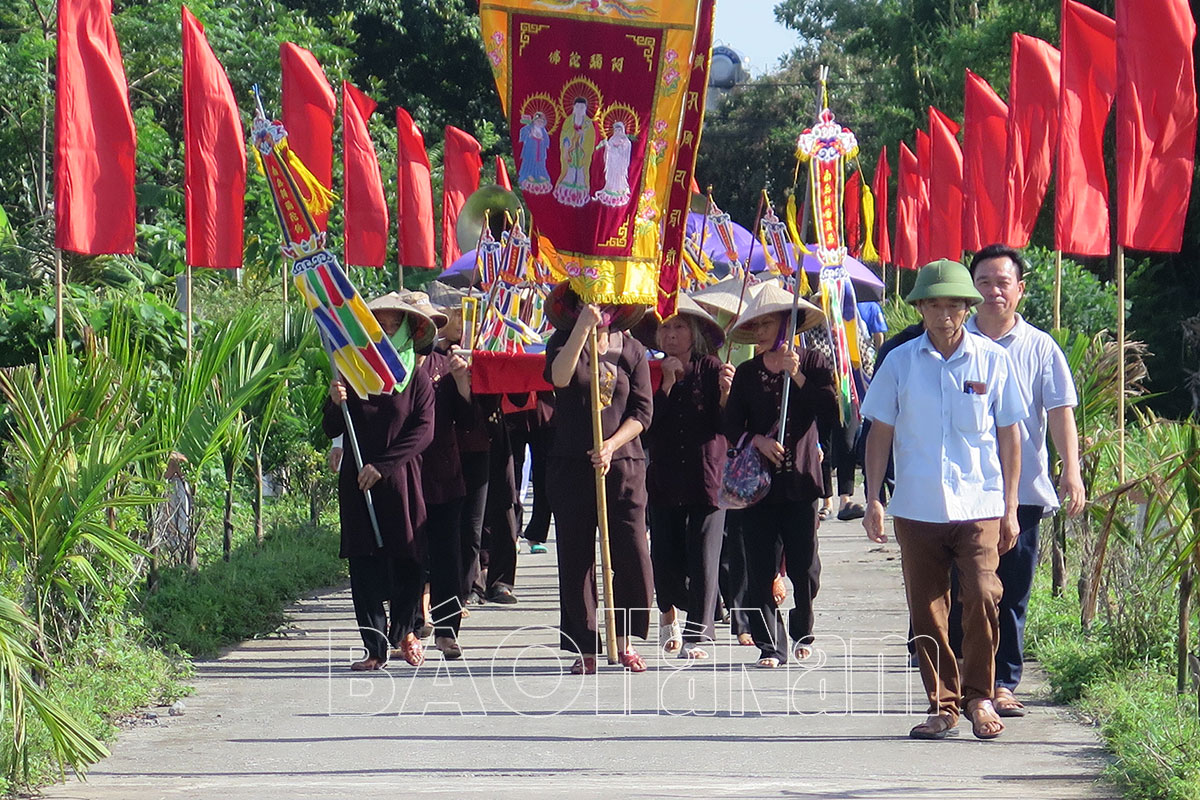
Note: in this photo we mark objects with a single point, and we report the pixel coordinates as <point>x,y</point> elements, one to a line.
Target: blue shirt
<point>871,314</point>
<point>945,412</point>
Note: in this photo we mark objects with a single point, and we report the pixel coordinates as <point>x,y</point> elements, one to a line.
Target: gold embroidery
<point>647,43</point>
<point>622,237</point>
<point>528,29</point>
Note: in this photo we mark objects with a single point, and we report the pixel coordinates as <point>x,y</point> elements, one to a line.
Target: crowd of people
<point>956,417</point>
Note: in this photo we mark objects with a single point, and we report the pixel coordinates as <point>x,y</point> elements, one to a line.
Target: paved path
<point>283,717</point>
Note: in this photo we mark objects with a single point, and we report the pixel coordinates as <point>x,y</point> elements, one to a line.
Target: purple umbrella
<point>712,242</point>
<point>461,272</point>
<point>867,285</point>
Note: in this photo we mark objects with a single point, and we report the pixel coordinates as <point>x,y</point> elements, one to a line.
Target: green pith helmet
<point>944,278</point>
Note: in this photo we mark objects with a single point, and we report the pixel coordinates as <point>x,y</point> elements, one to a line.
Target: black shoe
<point>502,595</point>
<point>475,599</point>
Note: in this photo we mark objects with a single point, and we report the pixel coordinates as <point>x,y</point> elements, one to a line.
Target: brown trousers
<point>927,550</point>
<point>572,491</point>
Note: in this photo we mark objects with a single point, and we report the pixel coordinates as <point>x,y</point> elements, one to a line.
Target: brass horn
<point>490,202</point>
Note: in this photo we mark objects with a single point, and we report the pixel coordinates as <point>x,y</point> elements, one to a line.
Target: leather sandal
<point>671,637</point>
<point>984,718</point>
<point>779,590</point>
<point>692,650</point>
<point>633,662</point>
<point>412,650</point>
<point>584,665</point>
<point>1006,704</point>
<point>935,726</point>
<point>368,664</point>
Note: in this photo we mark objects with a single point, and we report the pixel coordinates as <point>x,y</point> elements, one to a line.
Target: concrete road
<point>283,718</point>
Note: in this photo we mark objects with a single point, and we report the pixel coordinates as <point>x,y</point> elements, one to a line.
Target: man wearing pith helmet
<point>947,405</point>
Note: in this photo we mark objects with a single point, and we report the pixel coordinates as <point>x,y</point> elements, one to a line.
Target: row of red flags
<point>952,197</point>
<point>95,143</point>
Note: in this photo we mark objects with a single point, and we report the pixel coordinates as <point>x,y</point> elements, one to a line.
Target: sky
<point>749,27</point>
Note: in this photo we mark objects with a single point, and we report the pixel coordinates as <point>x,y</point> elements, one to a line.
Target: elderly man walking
<point>1046,386</point>
<point>948,405</point>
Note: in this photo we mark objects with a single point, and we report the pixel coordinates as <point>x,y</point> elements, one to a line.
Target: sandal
<point>1006,704</point>
<point>584,665</point>
<point>693,651</point>
<point>449,646</point>
<point>671,636</point>
<point>633,662</point>
<point>745,639</point>
<point>768,663</point>
<point>368,664</point>
<point>778,590</point>
<point>411,650</point>
<point>984,719</point>
<point>802,651</point>
<point>935,726</point>
<point>824,512</point>
<point>851,511</point>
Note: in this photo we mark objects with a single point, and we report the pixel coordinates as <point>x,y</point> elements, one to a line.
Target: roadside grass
<point>1152,732</point>
<point>223,603</point>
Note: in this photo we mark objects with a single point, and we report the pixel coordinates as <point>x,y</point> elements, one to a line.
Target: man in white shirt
<point>1047,388</point>
<point>948,405</point>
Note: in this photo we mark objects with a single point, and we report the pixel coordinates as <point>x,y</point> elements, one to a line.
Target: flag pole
<point>187,291</point>
<point>1120,364</point>
<point>1057,289</point>
<point>746,271</point>
<point>58,295</point>
<point>606,572</point>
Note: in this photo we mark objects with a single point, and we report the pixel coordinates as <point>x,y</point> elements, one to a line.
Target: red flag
<point>94,137</point>
<point>462,164</point>
<point>1156,122</point>
<point>502,174</point>
<point>908,193</point>
<point>945,188</point>
<point>1032,133</point>
<point>214,155</point>
<point>852,214</point>
<point>985,136</point>
<point>883,244</point>
<point>1089,83</point>
<point>308,107</point>
<point>924,162</point>
<point>364,206</point>
<point>414,196</point>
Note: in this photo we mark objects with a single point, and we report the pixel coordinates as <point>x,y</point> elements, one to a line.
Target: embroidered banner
<point>593,91</point>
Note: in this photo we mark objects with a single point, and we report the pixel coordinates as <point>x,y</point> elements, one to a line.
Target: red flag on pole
<point>883,244</point>
<point>1032,133</point>
<point>502,174</point>
<point>1156,122</point>
<point>214,155</point>
<point>462,164</point>
<point>924,159</point>
<point>985,135</point>
<point>1089,83</point>
<point>414,196</point>
<point>908,197</point>
<point>364,206</point>
<point>308,108</point>
<point>852,214</point>
<point>945,187</point>
<point>94,137</point>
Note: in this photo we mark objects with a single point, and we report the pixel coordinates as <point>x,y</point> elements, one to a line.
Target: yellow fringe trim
<point>319,199</point>
<point>869,253</point>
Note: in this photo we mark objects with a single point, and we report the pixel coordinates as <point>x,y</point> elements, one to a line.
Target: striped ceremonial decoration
<point>356,343</point>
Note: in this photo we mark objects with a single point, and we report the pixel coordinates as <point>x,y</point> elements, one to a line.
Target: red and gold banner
<point>594,91</point>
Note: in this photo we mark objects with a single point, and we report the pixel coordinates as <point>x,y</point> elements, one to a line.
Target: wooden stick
<point>187,290</point>
<point>606,573</point>
<point>58,295</point>
<point>1120,363</point>
<point>1057,289</point>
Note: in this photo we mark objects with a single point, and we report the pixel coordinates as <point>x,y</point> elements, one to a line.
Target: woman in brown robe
<point>626,410</point>
<point>687,454</point>
<point>785,521</point>
<point>392,431</point>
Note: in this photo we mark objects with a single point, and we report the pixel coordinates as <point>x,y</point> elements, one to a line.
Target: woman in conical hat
<point>687,456</point>
<point>626,400</point>
<point>785,521</point>
<point>392,431</point>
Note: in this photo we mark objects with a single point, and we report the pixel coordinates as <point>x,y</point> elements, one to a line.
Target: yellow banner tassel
<point>318,198</point>
<point>869,253</point>
<point>801,250</point>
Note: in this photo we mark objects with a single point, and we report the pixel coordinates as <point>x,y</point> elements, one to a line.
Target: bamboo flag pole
<point>610,612</point>
<point>1057,289</point>
<point>286,280</point>
<point>58,295</point>
<point>1120,364</point>
<point>187,291</point>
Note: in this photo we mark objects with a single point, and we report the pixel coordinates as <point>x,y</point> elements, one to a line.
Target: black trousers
<point>685,548</point>
<point>733,573</point>
<point>840,456</point>
<point>500,527</point>
<point>771,529</point>
<point>475,467</point>
<point>573,496</point>
<point>445,566</point>
<point>375,579</point>
<point>538,440</point>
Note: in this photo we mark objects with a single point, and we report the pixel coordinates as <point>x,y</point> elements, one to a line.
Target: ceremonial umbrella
<point>867,285</point>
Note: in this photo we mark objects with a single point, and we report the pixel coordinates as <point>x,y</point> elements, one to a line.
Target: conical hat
<point>771,298</point>
<point>725,296</point>
<point>423,327</point>
<point>562,309</point>
<point>712,331</point>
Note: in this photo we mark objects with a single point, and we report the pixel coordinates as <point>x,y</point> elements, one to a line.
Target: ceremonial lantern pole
<point>610,606</point>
